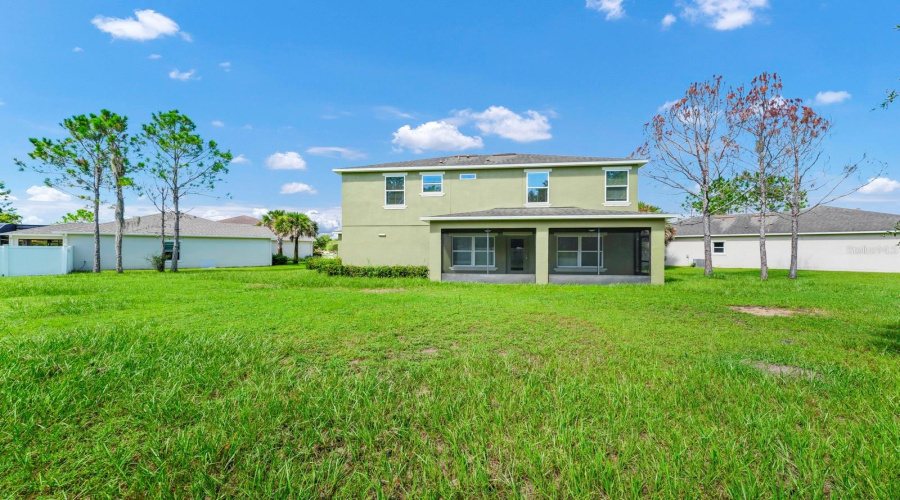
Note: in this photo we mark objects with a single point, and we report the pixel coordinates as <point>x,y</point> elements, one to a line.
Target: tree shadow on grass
<point>887,338</point>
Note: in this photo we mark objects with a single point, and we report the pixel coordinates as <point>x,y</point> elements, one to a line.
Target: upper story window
<point>537,188</point>
<point>617,186</point>
<point>433,184</point>
<point>467,177</point>
<point>395,191</point>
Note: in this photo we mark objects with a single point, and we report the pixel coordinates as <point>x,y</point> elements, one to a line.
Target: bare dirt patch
<point>431,351</point>
<point>773,311</point>
<point>783,370</point>
<point>382,290</point>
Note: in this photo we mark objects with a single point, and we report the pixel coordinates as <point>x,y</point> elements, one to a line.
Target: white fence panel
<point>35,261</point>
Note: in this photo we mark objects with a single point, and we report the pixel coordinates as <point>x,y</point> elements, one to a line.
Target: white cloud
<point>77,49</point>
<point>145,25</point>
<point>391,113</point>
<point>225,65</point>
<point>259,212</point>
<point>183,75</point>
<point>9,197</point>
<point>334,151</point>
<point>439,136</point>
<point>723,15</point>
<point>612,8</point>
<point>668,20</point>
<point>289,160</point>
<point>240,159</point>
<point>880,185</point>
<point>217,123</point>
<point>297,188</point>
<point>33,219</point>
<point>154,56</point>
<point>497,120</point>
<point>248,127</point>
<point>46,194</point>
<point>832,97</point>
<point>666,106</point>
<point>328,219</point>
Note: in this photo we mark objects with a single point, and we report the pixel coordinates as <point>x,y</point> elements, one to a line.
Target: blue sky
<point>389,81</point>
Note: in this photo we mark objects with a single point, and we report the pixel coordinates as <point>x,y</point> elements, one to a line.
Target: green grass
<point>281,382</point>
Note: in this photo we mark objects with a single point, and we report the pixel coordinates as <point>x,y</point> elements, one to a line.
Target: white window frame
<point>431,193</point>
<point>616,203</point>
<point>579,268</point>
<point>468,177</point>
<point>491,251</point>
<point>714,248</point>
<point>527,187</point>
<point>394,207</point>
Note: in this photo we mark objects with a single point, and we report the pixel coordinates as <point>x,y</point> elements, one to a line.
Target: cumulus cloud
<point>612,8</point>
<point>154,56</point>
<point>145,25</point>
<point>334,151</point>
<point>297,188</point>
<point>438,136</point>
<point>289,160</point>
<point>77,49</point>
<point>880,185</point>
<point>724,15</point>
<point>225,65</point>
<point>46,194</point>
<point>668,20</point>
<point>328,219</point>
<point>666,106</point>
<point>832,97</point>
<point>183,75</point>
<point>217,123</point>
<point>33,219</point>
<point>497,120</point>
<point>240,159</point>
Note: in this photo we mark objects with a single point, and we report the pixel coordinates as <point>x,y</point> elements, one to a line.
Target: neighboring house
<point>306,243</point>
<point>8,228</point>
<point>507,218</point>
<point>204,243</point>
<point>831,239</point>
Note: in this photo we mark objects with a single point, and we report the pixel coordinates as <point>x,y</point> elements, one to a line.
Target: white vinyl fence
<point>35,261</point>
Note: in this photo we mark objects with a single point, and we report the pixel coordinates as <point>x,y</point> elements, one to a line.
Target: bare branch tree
<point>692,145</point>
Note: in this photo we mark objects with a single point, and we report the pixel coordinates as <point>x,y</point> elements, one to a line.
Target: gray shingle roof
<point>240,219</point>
<point>546,212</point>
<point>498,160</point>
<point>150,225</point>
<point>822,219</point>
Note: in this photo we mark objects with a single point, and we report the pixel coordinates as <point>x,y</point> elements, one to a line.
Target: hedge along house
<point>506,218</point>
<point>204,243</point>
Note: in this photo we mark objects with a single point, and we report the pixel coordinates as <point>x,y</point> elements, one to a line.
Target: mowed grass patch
<point>282,382</point>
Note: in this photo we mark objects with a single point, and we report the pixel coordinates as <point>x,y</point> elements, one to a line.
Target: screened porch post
<point>542,255</point>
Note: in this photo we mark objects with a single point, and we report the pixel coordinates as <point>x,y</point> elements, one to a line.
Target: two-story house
<point>504,218</point>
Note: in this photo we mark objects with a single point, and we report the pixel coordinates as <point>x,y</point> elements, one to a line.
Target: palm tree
<point>274,220</point>
<point>653,209</point>
<point>299,226</point>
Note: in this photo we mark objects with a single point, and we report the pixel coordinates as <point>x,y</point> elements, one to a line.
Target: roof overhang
<point>756,235</point>
<point>635,162</point>
<point>439,218</point>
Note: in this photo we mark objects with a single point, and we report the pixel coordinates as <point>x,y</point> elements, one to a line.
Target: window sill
<point>431,194</point>
<point>473,268</point>
<point>537,205</point>
<point>616,203</point>
<point>394,207</point>
<point>593,269</point>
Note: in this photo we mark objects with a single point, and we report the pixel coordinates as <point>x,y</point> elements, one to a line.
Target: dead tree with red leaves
<point>802,139</point>
<point>691,145</point>
<point>759,113</point>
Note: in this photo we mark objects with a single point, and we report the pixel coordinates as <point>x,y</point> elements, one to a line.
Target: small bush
<point>334,267</point>
<point>157,261</point>
<point>279,260</point>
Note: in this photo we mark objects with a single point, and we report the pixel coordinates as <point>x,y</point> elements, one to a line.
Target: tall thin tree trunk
<point>176,231</point>
<point>280,244</point>
<point>296,249</point>
<point>120,225</point>
<point>795,223</point>
<point>162,235</point>
<point>98,175</point>
<point>707,237</point>
<point>763,206</point>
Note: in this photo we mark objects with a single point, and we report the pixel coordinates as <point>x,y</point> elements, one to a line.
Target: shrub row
<point>279,260</point>
<point>334,267</point>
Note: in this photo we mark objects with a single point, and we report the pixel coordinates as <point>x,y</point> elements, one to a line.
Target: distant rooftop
<point>241,219</point>
<point>823,219</point>
<point>499,160</point>
<point>150,225</point>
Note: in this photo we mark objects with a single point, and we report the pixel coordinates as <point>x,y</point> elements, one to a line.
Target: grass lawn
<point>280,382</point>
